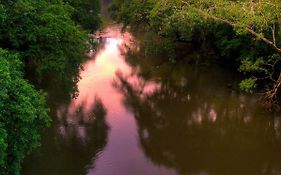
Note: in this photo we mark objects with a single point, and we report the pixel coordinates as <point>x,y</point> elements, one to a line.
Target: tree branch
<point>251,31</point>
<point>252,6</point>
<point>272,44</point>
<point>273,34</point>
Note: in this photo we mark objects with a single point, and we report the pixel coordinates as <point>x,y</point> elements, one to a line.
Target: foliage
<point>23,114</point>
<point>131,11</point>
<point>44,44</point>
<point>246,34</point>
<point>248,84</point>
<point>43,32</point>
<point>86,13</point>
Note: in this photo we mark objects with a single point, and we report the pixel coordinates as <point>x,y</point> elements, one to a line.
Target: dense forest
<point>45,40</point>
<point>245,35</point>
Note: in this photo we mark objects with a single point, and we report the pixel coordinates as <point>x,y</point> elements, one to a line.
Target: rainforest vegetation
<point>41,41</point>
<point>244,34</point>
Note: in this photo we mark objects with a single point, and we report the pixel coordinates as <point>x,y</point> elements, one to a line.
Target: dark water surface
<point>138,116</point>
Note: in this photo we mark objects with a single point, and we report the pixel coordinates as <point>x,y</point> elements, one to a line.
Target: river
<point>140,116</point>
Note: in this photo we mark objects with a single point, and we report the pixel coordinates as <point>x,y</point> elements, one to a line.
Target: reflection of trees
<point>191,123</point>
<point>70,146</point>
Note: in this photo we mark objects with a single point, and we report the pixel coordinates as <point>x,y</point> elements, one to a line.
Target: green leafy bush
<point>23,114</point>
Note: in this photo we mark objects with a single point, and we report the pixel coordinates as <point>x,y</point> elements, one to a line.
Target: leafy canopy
<point>23,114</point>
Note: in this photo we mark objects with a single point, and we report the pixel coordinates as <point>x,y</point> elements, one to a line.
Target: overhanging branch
<point>251,31</point>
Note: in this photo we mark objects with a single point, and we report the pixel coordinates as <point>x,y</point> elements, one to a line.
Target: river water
<point>143,116</point>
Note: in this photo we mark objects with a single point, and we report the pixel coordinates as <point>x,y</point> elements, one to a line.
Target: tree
<point>23,114</point>
<point>43,32</point>
<point>260,19</point>
<point>130,12</point>
<point>249,29</point>
<point>38,37</point>
<point>86,13</point>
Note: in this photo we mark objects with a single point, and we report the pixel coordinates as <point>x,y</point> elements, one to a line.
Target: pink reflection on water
<point>98,74</point>
<point>97,80</point>
<point>122,153</point>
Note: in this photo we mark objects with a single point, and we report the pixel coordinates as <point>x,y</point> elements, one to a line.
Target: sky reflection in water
<point>122,154</point>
